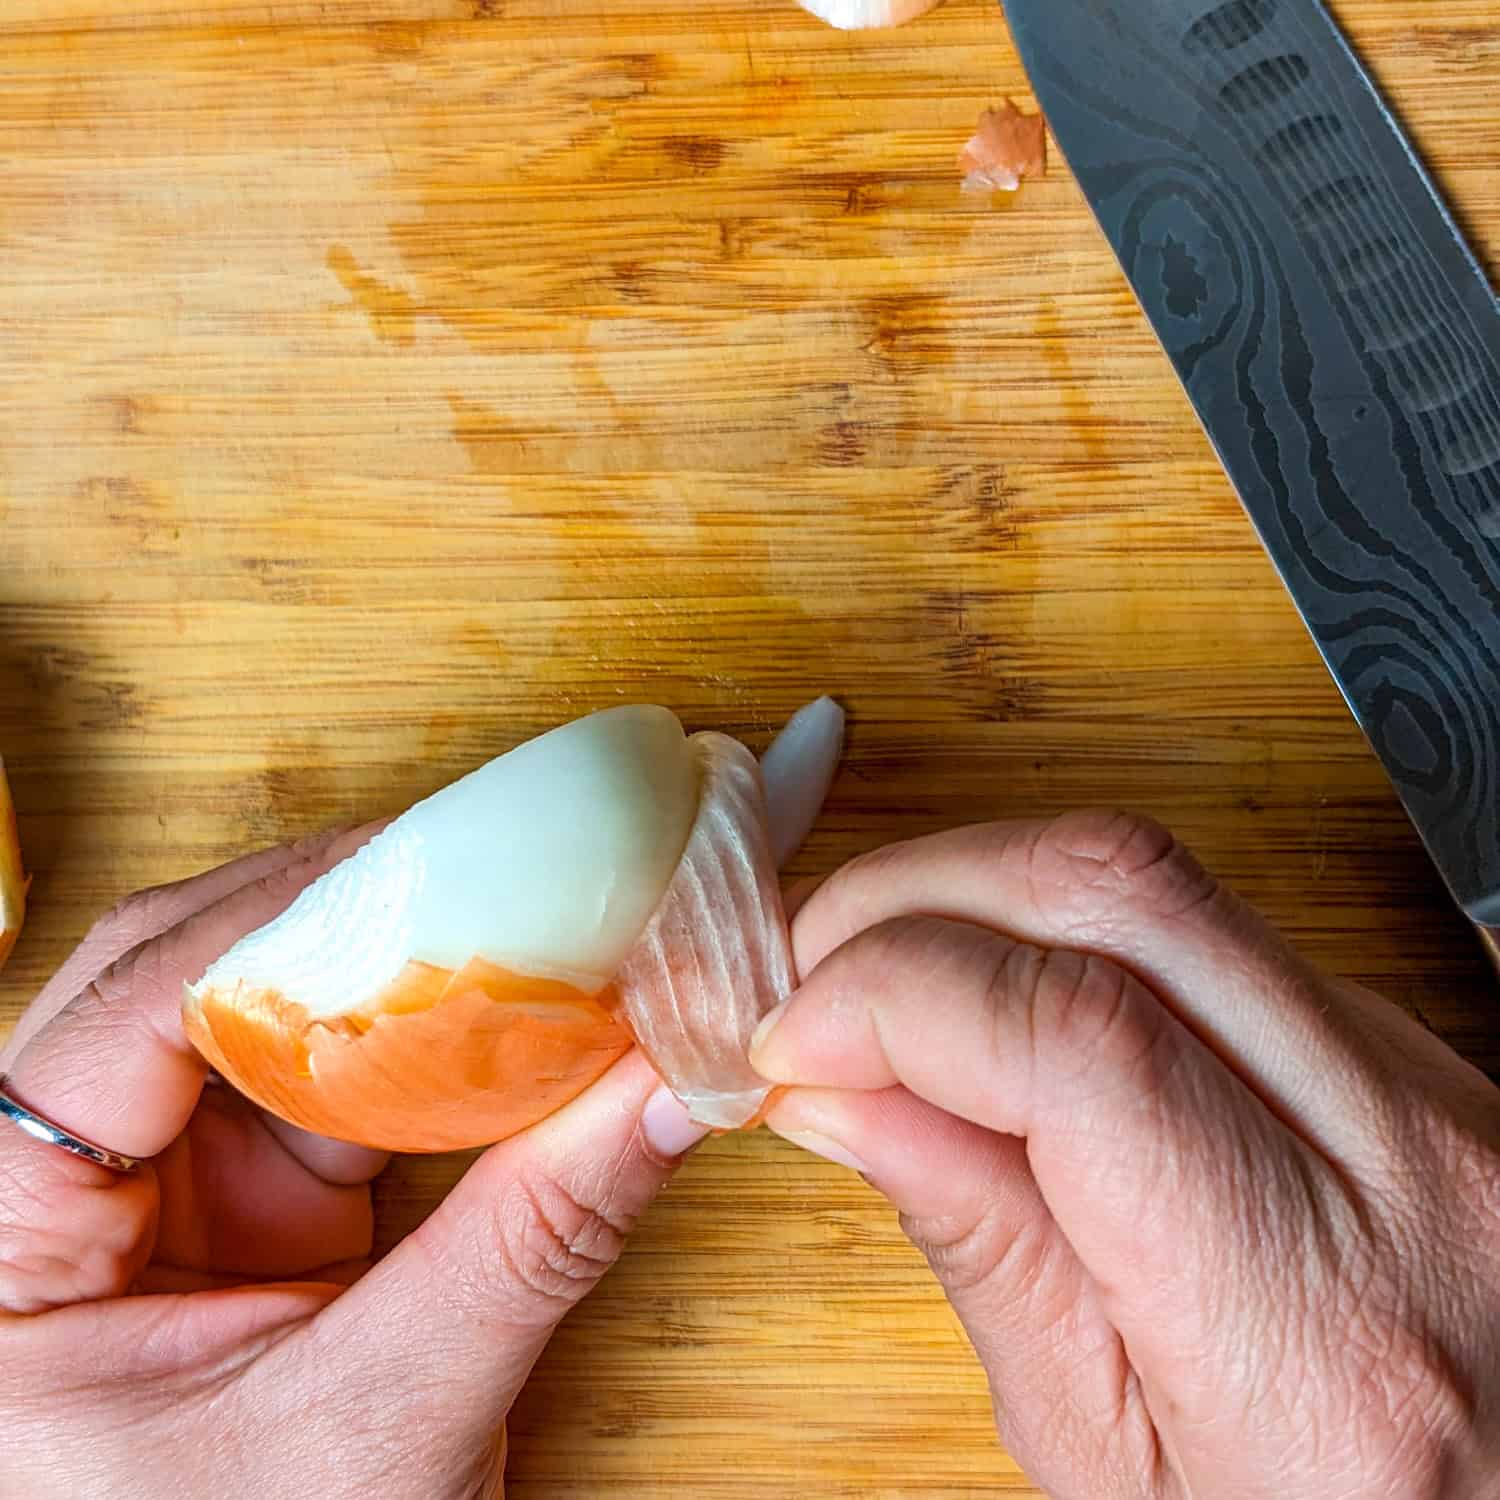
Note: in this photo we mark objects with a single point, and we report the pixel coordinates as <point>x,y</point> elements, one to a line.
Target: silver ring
<point>54,1135</point>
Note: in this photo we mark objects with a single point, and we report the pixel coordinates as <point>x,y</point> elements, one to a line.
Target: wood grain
<point>383,382</point>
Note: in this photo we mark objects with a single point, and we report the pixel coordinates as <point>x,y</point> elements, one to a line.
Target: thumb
<point>449,1324</point>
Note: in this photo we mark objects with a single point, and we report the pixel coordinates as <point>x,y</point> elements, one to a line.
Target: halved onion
<point>866,15</point>
<point>490,953</point>
<point>13,880</point>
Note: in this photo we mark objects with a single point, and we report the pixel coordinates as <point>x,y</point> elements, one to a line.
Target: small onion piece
<point>867,15</point>
<point>798,769</point>
<point>13,880</point>
<point>1006,147</point>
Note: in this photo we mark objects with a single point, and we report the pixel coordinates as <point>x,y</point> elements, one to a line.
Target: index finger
<point>1123,888</point>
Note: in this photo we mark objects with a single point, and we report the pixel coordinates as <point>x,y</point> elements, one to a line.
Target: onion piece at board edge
<point>13,880</point>
<point>867,15</point>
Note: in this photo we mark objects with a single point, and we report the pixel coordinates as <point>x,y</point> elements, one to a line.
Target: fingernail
<point>829,1150</point>
<point>767,1026</point>
<point>666,1125</point>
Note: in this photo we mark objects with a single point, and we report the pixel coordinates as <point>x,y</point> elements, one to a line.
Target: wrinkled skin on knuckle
<point>102,1013</point>
<point>125,923</point>
<point>1092,1020</point>
<point>1102,871</point>
<point>551,1247</point>
<point>105,1225</point>
<point>866,871</point>
<point>965,1250</point>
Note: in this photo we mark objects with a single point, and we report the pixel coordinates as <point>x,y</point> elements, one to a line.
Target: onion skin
<point>717,956</point>
<point>441,1061</point>
<point>1006,147</point>
<point>13,882</point>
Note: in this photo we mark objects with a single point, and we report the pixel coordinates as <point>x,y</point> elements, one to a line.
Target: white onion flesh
<point>547,861</point>
<point>798,770</point>
<point>867,15</point>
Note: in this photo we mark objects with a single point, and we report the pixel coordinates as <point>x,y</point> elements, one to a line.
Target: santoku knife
<point>1341,346</point>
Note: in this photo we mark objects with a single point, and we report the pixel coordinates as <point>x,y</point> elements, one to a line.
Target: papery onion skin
<point>1006,147</point>
<point>13,882</point>
<point>441,1062</point>
<point>717,956</point>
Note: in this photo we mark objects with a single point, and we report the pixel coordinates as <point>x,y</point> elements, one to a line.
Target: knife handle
<point>1490,937</point>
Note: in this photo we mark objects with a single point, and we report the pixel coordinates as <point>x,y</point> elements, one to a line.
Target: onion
<point>865,15</point>
<point>490,953</point>
<point>13,880</point>
<point>798,770</point>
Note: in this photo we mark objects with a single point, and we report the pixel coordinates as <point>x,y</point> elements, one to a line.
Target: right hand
<point>1219,1225</point>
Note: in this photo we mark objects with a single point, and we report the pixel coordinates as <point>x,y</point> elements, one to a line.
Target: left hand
<point>211,1323</point>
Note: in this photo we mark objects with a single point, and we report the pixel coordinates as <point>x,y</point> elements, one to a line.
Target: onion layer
<point>716,956</point>
<point>438,1061</point>
<point>13,881</point>
<point>798,770</point>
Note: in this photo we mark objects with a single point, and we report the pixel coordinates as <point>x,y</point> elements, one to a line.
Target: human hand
<point>1218,1225</point>
<point>210,1325</point>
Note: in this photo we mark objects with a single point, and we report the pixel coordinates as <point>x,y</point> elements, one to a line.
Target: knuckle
<point>313,845</point>
<point>1088,1016</point>
<point>126,923</point>
<point>1079,1000</point>
<point>43,1268</point>
<point>1105,866</point>
<point>283,883</point>
<point>96,1022</point>
<point>966,1252</point>
<point>551,1248</point>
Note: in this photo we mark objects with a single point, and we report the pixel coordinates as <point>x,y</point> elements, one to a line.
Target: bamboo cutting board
<point>383,381</point>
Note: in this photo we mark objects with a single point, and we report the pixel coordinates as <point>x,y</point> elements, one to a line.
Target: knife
<point>1340,344</point>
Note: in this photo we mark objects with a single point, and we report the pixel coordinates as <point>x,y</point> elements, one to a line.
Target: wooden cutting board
<point>383,381</point>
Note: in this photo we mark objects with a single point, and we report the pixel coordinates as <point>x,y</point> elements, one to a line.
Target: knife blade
<point>1339,342</point>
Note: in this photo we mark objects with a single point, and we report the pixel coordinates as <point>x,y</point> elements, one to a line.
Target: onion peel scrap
<point>1006,147</point>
